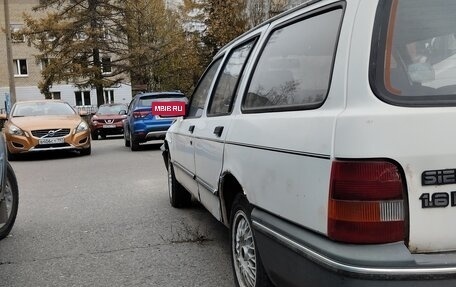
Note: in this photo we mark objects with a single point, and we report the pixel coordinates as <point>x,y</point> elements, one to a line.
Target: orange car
<point>45,125</point>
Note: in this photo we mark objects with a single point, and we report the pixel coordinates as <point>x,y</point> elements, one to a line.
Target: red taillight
<point>366,202</point>
<point>140,114</point>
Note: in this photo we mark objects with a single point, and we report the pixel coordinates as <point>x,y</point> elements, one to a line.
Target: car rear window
<point>147,100</point>
<point>414,60</point>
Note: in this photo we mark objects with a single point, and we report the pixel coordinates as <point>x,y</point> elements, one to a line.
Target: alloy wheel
<point>243,248</point>
<point>8,197</point>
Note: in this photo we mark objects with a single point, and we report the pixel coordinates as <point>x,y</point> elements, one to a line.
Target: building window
<point>20,67</point>
<point>109,96</point>
<point>82,98</point>
<point>106,65</point>
<point>16,36</point>
<point>53,95</point>
<point>45,63</point>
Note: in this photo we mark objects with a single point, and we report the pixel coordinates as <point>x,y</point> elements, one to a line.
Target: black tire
<point>94,136</point>
<point>86,151</point>
<point>240,218</point>
<point>178,196</point>
<point>11,184</point>
<point>134,145</point>
<point>126,139</point>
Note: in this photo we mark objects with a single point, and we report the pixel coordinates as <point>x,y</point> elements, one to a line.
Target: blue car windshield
<point>147,101</point>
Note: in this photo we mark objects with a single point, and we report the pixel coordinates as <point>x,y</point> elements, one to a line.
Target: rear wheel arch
<point>236,211</point>
<point>229,188</point>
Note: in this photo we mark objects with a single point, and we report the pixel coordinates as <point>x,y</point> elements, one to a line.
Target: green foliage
<point>154,47</point>
<point>144,41</point>
<point>221,21</point>
<point>73,36</point>
<point>225,21</point>
<point>162,57</point>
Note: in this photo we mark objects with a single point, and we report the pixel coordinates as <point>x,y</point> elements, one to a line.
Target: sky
<point>173,3</point>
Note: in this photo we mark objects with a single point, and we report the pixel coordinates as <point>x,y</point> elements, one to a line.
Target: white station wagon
<point>323,139</point>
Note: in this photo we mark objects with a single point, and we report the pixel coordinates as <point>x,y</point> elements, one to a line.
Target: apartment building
<point>27,70</point>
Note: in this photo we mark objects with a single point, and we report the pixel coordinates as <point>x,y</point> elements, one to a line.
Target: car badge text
<point>438,177</point>
<point>438,199</point>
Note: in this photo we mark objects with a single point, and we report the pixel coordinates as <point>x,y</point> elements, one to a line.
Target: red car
<point>108,120</point>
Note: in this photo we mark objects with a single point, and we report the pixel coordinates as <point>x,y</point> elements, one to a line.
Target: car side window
<point>200,95</point>
<point>294,69</point>
<point>222,100</point>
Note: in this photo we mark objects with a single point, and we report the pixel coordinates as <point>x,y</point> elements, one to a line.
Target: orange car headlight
<point>82,127</point>
<point>16,131</point>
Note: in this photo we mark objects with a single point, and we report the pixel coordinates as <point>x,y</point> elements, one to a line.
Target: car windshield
<point>42,109</point>
<point>419,55</point>
<point>111,110</point>
<point>147,101</point>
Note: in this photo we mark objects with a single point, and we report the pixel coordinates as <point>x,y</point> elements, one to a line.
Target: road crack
<point>199,240</point>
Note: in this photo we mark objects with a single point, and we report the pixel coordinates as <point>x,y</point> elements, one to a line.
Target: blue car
<point>140,125</point>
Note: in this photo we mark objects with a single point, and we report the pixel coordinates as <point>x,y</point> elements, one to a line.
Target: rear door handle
<point>191,128</point>
<point>218,131</point>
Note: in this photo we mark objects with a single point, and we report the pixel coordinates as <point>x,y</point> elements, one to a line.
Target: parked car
<point>141,125</point>
<point>108,120</point>
<point>45,125</point>
<point>323,140</point>
<point>9,193</point>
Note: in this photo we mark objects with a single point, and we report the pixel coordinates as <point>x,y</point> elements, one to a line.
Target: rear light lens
<point>140,114</point>
<point>366,202</point>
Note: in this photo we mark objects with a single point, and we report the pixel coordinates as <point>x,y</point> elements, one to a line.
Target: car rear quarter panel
<point>418,139</point>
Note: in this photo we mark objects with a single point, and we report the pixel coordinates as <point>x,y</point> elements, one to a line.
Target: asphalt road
<point>105,220</point>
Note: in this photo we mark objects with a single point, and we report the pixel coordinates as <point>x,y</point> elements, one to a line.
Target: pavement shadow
<point>148,146</point>
<point>46,155</point>
<point>110,137</point>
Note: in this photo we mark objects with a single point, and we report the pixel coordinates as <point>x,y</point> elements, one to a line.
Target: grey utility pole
<point>9,54</point>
